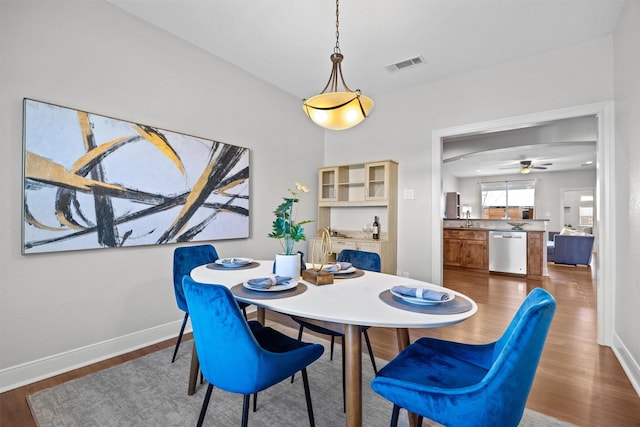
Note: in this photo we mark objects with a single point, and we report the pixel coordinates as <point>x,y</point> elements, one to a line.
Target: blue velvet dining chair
<point>361,259</point>
<point>237,357</point>
<point>364,261</point>
<point>458,384</point>
<point>185,259</point>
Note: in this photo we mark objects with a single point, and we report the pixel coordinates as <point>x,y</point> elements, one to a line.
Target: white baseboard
<point>629,364</point>
<point>46,367</point>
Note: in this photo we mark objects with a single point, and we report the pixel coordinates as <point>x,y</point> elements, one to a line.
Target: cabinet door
<point>452,252</point>
<point>376,181</point>
<point>474,254</point>
<point>535,254</point>
<point>328,181</point>
<point>370,247</point>
<point>338,245</point>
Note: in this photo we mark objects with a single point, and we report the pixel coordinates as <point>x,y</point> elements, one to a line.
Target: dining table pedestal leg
<point>402,338</point>
<point>353,374</point>
<point>260,315</point>
<point>193,373</point>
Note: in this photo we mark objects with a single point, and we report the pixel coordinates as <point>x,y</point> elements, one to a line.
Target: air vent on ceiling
<point>403,65</point>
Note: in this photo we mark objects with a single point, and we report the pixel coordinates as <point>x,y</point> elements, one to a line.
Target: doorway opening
<point>604,197</point>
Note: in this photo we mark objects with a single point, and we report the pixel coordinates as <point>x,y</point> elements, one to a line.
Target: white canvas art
<point>92,181</point>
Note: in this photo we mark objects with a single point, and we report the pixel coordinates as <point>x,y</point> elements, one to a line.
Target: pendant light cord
<point>337,48</point>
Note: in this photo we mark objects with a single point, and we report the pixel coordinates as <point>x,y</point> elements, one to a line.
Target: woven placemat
<point>357,273</point>
<point>458,305</point>
<point>214,266</point>
<point>240,291</point>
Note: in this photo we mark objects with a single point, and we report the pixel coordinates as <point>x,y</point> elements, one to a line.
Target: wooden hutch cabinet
<point>366,189</point>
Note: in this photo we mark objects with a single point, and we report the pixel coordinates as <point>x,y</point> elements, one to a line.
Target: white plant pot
<point>288,265</point>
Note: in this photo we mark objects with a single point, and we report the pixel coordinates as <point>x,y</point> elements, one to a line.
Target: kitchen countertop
<point>486,229</point>
<point>495,224</point>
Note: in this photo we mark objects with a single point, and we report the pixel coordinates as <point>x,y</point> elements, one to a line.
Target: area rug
<point>152,391</point>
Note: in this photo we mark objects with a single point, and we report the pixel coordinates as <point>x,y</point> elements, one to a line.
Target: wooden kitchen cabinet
<point>536,249</point>
<point>452,252</point>
<point>475,254</point>
<point>466,249</point>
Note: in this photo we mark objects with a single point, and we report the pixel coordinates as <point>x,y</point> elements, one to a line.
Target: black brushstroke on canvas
<point>107,232</point>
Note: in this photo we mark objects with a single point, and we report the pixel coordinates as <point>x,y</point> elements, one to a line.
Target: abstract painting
<point>92,181</point>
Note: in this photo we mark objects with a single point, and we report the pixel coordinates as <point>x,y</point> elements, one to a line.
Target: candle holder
<point>315,274</point>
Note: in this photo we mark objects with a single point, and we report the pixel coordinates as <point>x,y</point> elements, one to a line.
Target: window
<point>508,199</point>
<point>586,216</point>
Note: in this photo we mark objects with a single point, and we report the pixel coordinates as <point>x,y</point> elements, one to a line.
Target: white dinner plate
<point>347,271</point>
<point>234,262</point>
<point>275,288</point>
<point>420,301</point>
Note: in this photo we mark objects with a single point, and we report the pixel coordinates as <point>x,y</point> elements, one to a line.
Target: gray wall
<point>62,310</point>
<point>627,179</point>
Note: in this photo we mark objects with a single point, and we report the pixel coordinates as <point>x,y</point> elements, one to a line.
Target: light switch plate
<point>408,194</point>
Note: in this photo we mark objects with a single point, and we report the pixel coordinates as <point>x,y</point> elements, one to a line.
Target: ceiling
<point>288,42</point>
<point>568,144</point>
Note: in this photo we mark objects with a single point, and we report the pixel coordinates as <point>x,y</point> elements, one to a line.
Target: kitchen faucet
<point>468,220</point>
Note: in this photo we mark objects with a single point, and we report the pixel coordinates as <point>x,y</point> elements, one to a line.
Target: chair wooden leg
<point>184,323</point>
<point>245,410</point>
<point>307,396</point>
<point>205,405</point>
<point>420,418</point>
<point>373,360</point>
<point>344,383</point>
<point>394,416</point>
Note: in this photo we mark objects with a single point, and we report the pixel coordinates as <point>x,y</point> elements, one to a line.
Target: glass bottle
<point>376,229</point>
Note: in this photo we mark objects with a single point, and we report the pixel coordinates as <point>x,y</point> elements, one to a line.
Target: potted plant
<point>288,231</point>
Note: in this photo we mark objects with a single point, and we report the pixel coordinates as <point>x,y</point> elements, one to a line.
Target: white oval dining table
<point>354,302</point>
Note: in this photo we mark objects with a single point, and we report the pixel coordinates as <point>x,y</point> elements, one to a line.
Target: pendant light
<point>335,109</point>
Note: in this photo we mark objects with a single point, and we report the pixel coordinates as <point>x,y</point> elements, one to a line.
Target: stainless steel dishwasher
<point>508,251</point>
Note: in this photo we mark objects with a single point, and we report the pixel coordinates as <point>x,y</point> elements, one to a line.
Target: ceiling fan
<point>527,165</point>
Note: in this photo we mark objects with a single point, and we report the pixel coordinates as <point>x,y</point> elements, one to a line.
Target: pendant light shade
<point>334,109</point>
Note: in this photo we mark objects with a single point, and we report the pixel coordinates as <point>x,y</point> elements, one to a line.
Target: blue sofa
<point>571,250</point>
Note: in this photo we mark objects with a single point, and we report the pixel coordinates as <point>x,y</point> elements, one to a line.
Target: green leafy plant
<point>285,228</point>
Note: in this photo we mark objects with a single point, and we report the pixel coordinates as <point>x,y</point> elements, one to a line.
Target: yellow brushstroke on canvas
<point>94,153</point>
<point>85,128</point>
<point>41,169</point>
<point>37,224</point>
<point>195,193</point>
<point>162,145</point>
<point>229,186</point>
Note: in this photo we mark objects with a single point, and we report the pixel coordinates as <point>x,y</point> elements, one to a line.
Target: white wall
<point>401,125</point>
<point>61,310</point>
<point>548,193</point>
<point>627,128</point>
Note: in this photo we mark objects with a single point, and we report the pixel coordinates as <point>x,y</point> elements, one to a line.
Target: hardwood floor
<point>577,380</point>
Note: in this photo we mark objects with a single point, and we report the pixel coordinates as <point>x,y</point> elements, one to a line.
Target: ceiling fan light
<point>338,110</point>
<point>525,170</point>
